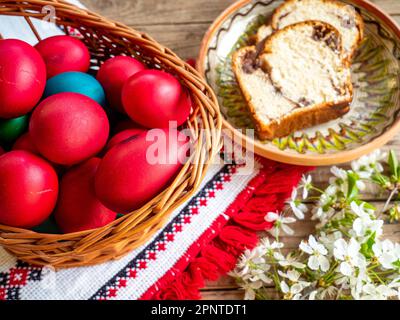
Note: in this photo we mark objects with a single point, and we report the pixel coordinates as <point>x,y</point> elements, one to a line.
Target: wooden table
<point>180,25</point>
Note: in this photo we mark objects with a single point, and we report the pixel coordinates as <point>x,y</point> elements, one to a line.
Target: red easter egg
<point>153,98</point>
<point>22,78</point>
<point>28,189</point>
<point>135,171</point>
<point>78,208</point>
<point>24,142</point>
<point>1,151</point>
<point>123,135</point>
<point>68,128</point>
<point>64,54</point>
<point>113,74</point>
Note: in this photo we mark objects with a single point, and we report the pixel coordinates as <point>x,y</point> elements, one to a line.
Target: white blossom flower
<point>329,292</point>
<point>269,247</point>
<point>318,213</point>
<point>250,257</point>
<point>322,293</point>
<point>362,168</point>
<point>288,261</point>
<point>340,179</point>
<point>250,289</point>
<point>297,206</point>
<point>357,282</point>
<point>343,281</point>
<point>368,164</point>
<point>339,173</point>
<point>360,210</point>
<point>323,209</point>
<point>365,226</point>
<point>292,275</point>
<point>280,222</point>
<point>313,295</point>
<point>328,240</point>
<point>364,223</point>
<point>331,191</point>
<point>381,292</point>
<point>272,216</point>
<point>376,156</point>
<point>325,200</point>
<point>306,184</point>
<point>317,252</point>
<point>252,266</point>
<point>256,256</point>
<point>384,251</point>
<point>349,254</point>
<point>260,274</point>
<point>361,185</point>
<point>323,215</point>
<point>292,292</point>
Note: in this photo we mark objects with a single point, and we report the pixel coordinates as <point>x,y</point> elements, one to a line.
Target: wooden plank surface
<point>180,25</point>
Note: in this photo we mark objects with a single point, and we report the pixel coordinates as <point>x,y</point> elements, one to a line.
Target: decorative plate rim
<point>284,156</point>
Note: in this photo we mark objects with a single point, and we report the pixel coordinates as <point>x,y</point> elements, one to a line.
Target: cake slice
<point>263,32</point>
<point>340,15</point>
<point>273,115</point>
<point>305,63</point>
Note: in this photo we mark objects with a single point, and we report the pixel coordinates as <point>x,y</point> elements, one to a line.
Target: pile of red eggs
<point>78,143</point>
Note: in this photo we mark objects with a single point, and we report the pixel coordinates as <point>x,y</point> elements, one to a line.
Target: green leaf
<point>366,247</point>
<point>380,179</point>
<point>393,165</point>
<point>353,190</point>
<point>369,206</point>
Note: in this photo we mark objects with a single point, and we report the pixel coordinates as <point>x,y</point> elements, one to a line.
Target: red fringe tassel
<point>217,251</point>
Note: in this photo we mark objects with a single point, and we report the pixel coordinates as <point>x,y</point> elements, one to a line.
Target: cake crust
<point>284,11</point>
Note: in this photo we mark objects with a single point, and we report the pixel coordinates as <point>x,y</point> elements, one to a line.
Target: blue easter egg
<point>77,82</point>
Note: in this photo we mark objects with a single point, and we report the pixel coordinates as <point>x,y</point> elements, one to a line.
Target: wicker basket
<point>106,38</point>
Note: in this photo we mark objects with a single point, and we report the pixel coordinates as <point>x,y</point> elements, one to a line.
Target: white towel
<point>18,28</point>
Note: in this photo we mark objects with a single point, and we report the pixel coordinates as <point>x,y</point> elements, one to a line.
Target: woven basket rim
<point>69,250</point>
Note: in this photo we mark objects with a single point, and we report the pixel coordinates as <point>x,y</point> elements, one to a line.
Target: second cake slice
<point>305,62</point>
